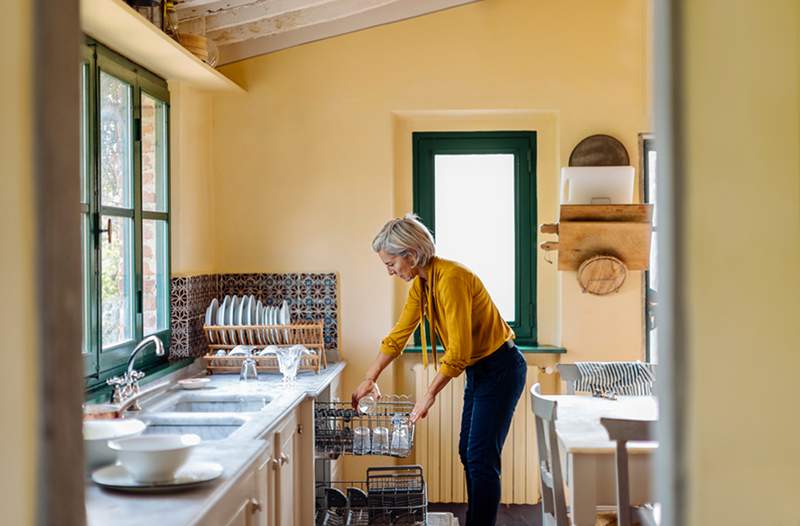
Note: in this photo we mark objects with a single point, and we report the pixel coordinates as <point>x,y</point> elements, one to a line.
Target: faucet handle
<point>117,381</point>
<point>135,376</point>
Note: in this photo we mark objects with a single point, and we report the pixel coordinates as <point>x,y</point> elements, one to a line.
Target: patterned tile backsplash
<point>310,297</point>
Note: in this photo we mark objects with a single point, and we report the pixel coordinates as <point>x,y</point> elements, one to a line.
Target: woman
<point>476,340</point>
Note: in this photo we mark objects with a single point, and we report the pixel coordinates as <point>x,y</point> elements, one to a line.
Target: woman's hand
<point>366,387</point>
<point>421,408</point>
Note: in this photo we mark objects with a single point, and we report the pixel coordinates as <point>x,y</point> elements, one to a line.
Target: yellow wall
<point>311,162</point>
<point>18,390</point>
<point>742,242</point>
<point>190,179</point>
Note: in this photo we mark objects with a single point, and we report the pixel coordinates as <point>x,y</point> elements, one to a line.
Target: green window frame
<point>102,363</point>
<point>522,144</point>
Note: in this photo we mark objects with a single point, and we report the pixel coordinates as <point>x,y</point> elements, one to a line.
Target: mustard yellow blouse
<point>463,316</point>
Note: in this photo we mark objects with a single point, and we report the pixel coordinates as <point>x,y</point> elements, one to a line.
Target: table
<point>587,455</point>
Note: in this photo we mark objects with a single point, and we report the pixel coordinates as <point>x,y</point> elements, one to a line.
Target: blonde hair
<point>406,236</point>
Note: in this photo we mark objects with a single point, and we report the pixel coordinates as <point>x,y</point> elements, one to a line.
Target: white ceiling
<point>248,28</point>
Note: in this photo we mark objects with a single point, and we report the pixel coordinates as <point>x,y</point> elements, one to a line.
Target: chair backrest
<point>623,431</point>
<point>554,503</point>
<point>570,373</point>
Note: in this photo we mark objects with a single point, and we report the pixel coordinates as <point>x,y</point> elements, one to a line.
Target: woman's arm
<point>391,346</point>
<point>369,383</point>
<point>422,406</point>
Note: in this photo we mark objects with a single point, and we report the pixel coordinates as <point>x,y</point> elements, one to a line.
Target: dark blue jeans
<point>494,385</point>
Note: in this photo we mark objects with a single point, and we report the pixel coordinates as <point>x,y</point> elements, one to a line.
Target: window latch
<point>107,229</point>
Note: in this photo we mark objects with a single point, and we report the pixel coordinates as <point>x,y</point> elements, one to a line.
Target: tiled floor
<point>509,515</point>
<point>514,515</point>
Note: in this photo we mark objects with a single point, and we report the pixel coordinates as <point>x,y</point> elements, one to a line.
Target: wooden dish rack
<point>226,337</point>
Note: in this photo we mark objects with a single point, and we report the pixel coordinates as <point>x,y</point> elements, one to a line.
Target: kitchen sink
<point>204,403</point>
<point>207,426</point>
<point>206,432</point>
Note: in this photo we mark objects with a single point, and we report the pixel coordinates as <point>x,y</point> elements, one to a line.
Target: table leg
<point>583,489</point>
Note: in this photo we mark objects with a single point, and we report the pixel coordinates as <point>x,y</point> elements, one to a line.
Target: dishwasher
<point>387,496</point>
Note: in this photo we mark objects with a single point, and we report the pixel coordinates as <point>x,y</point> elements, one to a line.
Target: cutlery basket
<point>226,337</point>
<point>335,424</point>
<point>391,496</point>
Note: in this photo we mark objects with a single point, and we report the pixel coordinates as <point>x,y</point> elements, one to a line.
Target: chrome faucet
<point>127,385</point>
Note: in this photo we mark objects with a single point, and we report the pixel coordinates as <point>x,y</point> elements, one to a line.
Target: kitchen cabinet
<point>286,479</point>
<point>240,506</point>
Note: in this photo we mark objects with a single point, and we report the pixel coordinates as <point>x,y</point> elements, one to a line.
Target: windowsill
<point>525,349</point>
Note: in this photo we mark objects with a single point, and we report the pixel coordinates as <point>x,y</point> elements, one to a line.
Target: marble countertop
<point>236,451</point>
<point>107,508</point>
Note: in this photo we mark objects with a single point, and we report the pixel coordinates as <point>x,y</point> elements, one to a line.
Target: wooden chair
<point>554,503</point>
<point>623,431</point>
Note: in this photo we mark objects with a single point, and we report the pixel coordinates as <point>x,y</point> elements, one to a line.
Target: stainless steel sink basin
<point>207,426</point>
<point>206,432</point>
<point>204,403</point>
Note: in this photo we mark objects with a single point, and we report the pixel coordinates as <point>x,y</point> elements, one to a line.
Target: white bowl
<point>154,458</point>
<point>193,383</point>
<point>97,433</point>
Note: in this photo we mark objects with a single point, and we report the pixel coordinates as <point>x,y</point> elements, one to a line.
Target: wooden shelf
<point>585,231</point>
<point>114,24</point>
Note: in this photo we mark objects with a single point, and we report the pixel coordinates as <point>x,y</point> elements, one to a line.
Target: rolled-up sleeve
<point>456,300</point>
<point>396,340</point>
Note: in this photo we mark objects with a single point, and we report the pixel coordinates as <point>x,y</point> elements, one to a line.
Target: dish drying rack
<point>334,423</point>
<point>391,496</point>
<point>259,337</point>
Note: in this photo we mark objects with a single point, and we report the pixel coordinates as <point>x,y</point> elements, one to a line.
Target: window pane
<point>84,131</point>
<point>116,153</point>
<point>117,279</point>
<point>86,281</point>
<point>154,154</point>
<point>475,220</point>
<point>154,273</point>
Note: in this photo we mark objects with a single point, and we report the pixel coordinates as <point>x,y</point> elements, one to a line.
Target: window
<point>124,211</point>
<point>476,192</point>
<point>649,160</point>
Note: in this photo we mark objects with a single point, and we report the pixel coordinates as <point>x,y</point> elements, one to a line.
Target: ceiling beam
<point>388,13</point>
<point>257,11</point>
<point>295,19</point>
<point>196,8</point>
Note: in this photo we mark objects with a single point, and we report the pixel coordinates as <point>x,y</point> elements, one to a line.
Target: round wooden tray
<point>601,275</point>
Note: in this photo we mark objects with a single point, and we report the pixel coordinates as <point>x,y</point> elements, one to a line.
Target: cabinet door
<point>265,487</point>
<point>285,479</point>
<point>243,515</point>
<point>286,493</point>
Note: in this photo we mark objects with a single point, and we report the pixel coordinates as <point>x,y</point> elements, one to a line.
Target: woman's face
<point>399,266</point>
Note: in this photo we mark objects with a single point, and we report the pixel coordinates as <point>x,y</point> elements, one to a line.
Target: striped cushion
<point>623,378</point>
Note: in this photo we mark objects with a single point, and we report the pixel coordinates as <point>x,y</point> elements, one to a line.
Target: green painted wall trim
<point>522,144</point>
<point>525,349</point>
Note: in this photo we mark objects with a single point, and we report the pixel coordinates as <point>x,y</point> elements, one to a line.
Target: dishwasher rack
<point>335,424</point>
<point>391,496</point>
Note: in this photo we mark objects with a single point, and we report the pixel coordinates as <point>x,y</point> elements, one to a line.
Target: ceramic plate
<point>211,315</point>
<point>285,313</point>
<point>193,383</point>
<point>284,320</point>
<point>259,320</point>
<point>275,332</point>
<point>230,319</point>
<point>230,313</point>
<point>190,475</point>
<point>221,316</point>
